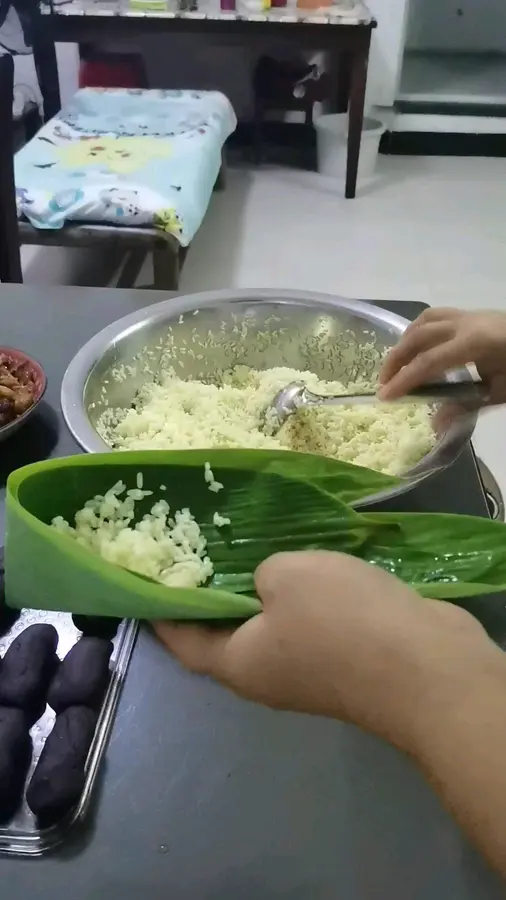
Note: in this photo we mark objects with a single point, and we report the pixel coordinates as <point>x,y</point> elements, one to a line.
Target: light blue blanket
<point>126,157</point>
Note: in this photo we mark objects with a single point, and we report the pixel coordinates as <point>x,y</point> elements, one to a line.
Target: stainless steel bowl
<point>206,334</point>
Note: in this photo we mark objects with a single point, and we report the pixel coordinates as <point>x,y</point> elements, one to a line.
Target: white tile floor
<point>427,229</point>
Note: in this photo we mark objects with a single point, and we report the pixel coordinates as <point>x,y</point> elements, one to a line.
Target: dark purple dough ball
<point>28,666</point>
<point>15,756</point>
<point>59,776</point>
<point>83,676</point>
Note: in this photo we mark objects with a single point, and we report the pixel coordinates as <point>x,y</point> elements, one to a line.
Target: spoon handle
<point>474,393</point>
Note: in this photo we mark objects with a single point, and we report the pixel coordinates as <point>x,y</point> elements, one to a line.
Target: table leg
<point>341,76</point>
<point>356,117</point>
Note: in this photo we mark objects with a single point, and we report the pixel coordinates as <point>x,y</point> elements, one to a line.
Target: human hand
<point>444,339</point>
<point>339,637</point>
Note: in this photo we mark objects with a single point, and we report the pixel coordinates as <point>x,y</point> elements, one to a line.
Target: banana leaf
<point>270,512</point>
<point>443,556</point>
<point>342,480</point>
<point>276,502</point>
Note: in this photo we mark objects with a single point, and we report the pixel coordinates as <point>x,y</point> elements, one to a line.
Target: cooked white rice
<point>167,548</point>
<point>213,485</point>
<point>220,521</point>
<point>177,414</point>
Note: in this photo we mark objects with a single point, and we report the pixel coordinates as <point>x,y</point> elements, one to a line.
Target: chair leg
<point>10,259</point>
<point>258,132</point>
<point>221,181</point>
<point>166,266</point>
<point>131,268</point>
<point>10,256</point>
<point>46,66</point>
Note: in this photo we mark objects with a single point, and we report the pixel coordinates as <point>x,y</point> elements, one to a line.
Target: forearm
<point>461,749</point>
<point>340,638</point>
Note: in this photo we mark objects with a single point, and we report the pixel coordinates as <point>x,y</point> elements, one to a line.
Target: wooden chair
<point>168,255</point>
<point>283,85</point>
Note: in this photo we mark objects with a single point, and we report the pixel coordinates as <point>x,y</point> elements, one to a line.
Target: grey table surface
<point>203,796</point>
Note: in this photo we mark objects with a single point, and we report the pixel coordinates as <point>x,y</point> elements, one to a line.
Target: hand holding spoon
<point>471,395</point>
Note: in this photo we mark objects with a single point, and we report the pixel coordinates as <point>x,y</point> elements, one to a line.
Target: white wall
<point>25,79</point>
<point>192,61</point>
<point>187,61</point>
<point>387,50</point>
<point>465,25</point>
<point>172,61</point>
<point>195,61</point>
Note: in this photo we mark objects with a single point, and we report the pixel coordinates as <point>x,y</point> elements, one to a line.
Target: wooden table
<point>344,34</point>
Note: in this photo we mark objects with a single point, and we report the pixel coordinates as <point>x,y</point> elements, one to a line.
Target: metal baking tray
<point>22,836</point>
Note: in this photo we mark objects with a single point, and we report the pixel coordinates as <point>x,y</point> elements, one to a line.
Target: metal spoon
<point>471,395</point>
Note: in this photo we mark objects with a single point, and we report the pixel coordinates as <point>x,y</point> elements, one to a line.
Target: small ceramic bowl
<point>38,377</point>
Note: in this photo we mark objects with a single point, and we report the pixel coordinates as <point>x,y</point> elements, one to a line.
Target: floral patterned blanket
<point>126,157</point>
